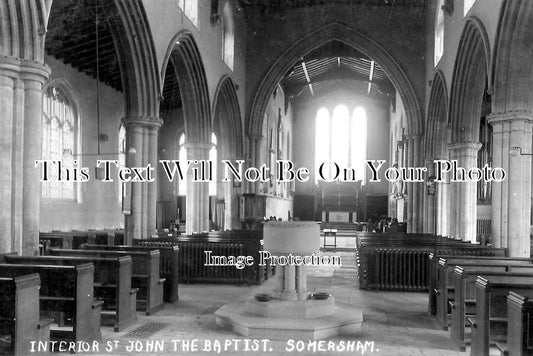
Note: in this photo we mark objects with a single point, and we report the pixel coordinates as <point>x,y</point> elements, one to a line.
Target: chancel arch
<point>320,37</point>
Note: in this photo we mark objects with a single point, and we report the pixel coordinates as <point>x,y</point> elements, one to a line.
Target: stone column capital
<point>464,148</point>
<point>459,146</point>
<point>413,137</point>
<point>199,146</point>
<point>510,116</point>
<point>255,138</point>
<point>142,121</point>
<point>25,70</point>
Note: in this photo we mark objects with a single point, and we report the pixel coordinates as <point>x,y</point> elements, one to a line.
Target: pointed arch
<point>437,118</point>
<point>226,106</point>
<point>316,39</point>
<point>470,79</point>
<point>137,58</point>
<point>190,73</point>
<point>23,26</point>
<point>512,68</point>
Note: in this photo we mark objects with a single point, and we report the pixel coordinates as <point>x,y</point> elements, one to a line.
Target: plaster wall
<point>98,205</point>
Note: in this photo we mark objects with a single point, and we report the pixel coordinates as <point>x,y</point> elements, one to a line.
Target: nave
<point>396,322</point>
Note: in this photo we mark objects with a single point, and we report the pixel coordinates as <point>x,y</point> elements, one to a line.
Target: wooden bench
<point>74,239</point>
<point>444,291</point>
<point>490,323</point>
<point>433,273</point>
<point>463,305</point>
<point>67,290</point>
<point>19,314</point>
<point>222,243</point>
<point>520,330</point>
<point>112,284</point>
<point>168,266</point>
<point>145,274</point>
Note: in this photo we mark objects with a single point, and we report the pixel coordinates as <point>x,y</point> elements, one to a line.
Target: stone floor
<point>394,323</point>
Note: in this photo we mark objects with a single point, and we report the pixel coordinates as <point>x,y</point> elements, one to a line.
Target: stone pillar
<point>197,219</point>
<point>257,162</point>
<point>301,283</point>
<point>141,151</point>
<point>410,192</point>
<point>511,199</point>
<point>21,84</point>
<point>443,206</point>
<point>418,188</point>
<point>289,287</point>
<point>429,204</point>
<point>453,202</point>
<point>151,203</point>
<point>252,187</point>
<point>466,191</point>
<point>34,75</point>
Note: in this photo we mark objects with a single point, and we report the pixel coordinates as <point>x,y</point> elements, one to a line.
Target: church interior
<point>137,135</point>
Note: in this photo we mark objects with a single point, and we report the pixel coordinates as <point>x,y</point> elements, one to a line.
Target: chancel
<point>264,176</point>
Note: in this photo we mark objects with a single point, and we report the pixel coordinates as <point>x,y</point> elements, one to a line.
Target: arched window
<point>59,141</point>
<point>358,142</point>
<point>342,139</point>
<point>227,36</point>
<point>121,158</point>
<point>190,9</point>
<point>467,6</point>
<point>439,32</point>
<point>182,187</point>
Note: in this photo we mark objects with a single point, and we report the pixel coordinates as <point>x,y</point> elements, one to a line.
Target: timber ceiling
<point>283,5</point>
<point>79,34</point>
<point>337,65</point>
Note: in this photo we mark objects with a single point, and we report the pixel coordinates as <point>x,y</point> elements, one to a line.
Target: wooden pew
<point>145,274</point>
<point>112,284</point>
<point>252,243</point>
<point>68,290</point>
<point>234,242</point>
<point>433,273</point>
<point>464,303</point>
<point>19,314</point>
<point>520,330</point>
<point>444,291</point>
<point>491,320</point>
<point>168,266</point>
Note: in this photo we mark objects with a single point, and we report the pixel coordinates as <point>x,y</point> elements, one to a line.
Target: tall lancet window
<point>439,32</point>
<point>182,185</point>
<point>227,36</point>
<point>358,142</point>
<point>340,138</point>
<point>59,142</point>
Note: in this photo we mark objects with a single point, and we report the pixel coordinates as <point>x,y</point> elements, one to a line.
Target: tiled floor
<point>396,323</point>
